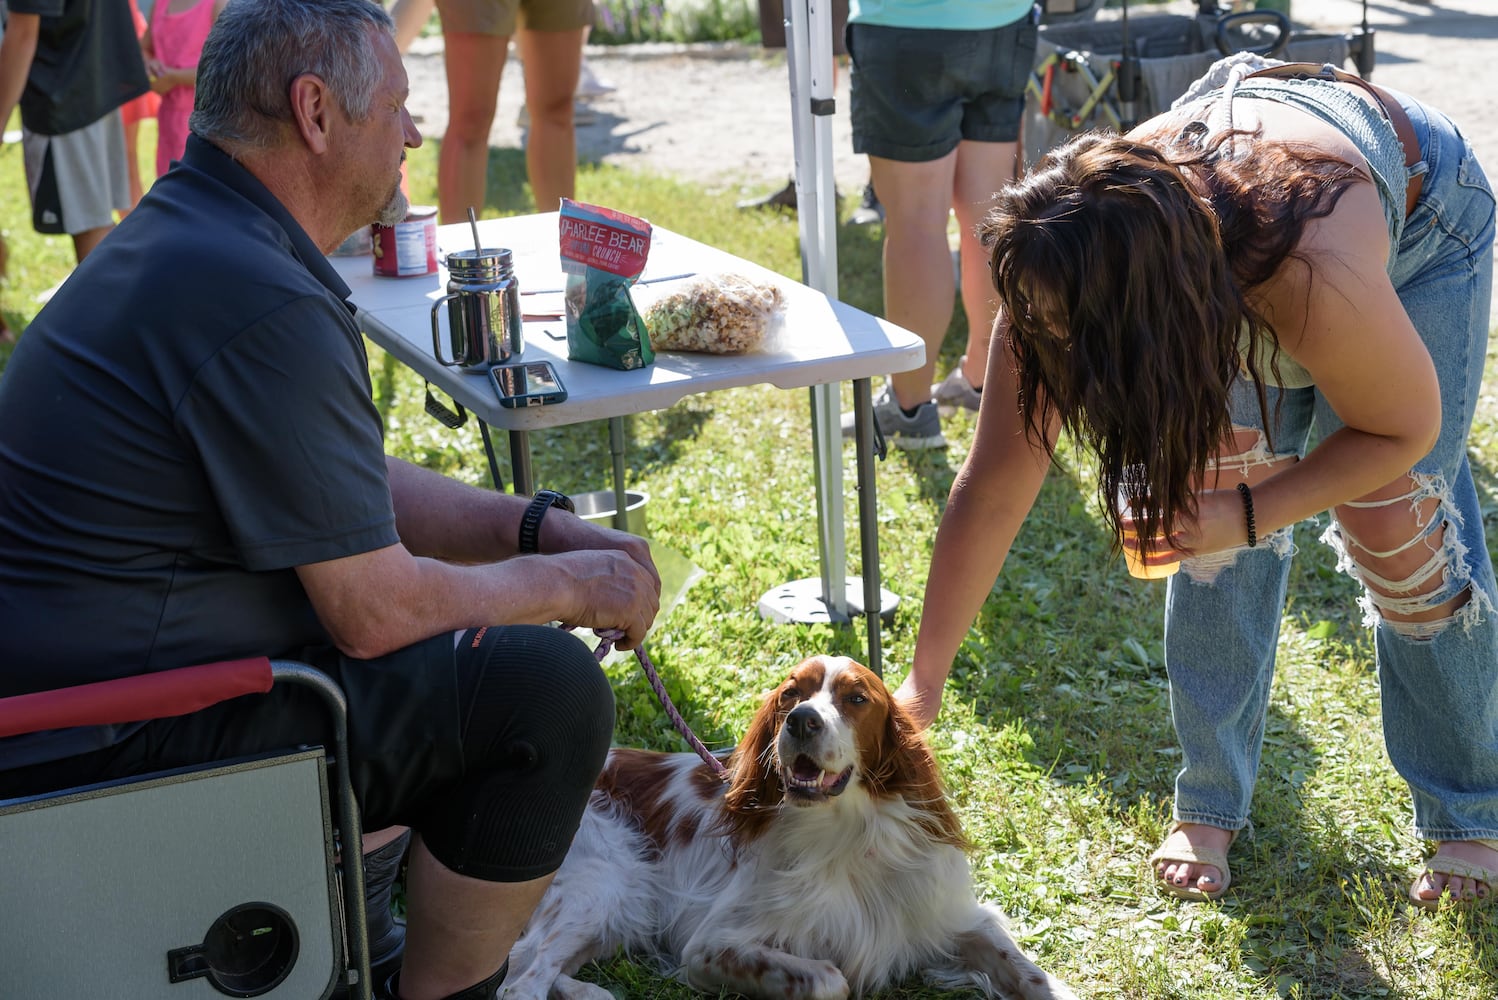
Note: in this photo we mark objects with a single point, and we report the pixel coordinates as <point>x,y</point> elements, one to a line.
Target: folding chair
<point>218,880</point>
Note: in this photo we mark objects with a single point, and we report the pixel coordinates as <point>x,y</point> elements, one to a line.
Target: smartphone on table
<point>527,383</point>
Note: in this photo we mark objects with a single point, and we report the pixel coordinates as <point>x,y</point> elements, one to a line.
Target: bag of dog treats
<point>603,252</point>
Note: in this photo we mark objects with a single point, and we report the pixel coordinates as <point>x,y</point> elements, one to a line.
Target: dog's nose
<point>803,722</point>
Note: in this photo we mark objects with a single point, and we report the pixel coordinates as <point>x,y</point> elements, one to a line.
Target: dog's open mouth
<point>806,782</point>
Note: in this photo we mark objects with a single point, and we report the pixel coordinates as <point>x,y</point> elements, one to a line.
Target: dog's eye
<point>789,694</point>
<point>858,699</point>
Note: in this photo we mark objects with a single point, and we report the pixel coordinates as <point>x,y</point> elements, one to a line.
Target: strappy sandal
<point>1177,849</point>
<point>1438,864</point>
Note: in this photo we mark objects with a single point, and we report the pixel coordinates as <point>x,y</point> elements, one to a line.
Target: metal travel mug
<point>483,310</point>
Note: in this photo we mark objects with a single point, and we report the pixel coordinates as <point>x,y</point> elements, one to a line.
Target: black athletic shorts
<point>915,93</point>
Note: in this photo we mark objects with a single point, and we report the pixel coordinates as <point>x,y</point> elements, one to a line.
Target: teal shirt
<point>949,15</point>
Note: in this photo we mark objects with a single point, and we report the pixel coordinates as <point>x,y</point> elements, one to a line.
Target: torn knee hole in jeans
<point>1439,580</point>
<point>1255,455</point>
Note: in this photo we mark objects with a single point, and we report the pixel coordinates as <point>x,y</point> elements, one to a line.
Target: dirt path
<point>721,115</point>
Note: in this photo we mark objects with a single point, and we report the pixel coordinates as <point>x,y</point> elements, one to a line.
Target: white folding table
<point>823,341</point>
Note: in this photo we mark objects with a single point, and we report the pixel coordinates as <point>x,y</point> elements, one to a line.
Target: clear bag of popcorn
<point>723,313</point>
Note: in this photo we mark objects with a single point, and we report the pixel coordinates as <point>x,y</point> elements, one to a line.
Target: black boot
<point>478,991</point>
<point>387,933</point>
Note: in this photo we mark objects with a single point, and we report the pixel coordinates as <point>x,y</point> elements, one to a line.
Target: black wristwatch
<point>530,522</point>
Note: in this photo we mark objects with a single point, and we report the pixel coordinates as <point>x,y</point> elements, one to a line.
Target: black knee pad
<point>538,717</point>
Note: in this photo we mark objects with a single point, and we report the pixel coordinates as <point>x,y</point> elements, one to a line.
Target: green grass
<point>1055,737</point>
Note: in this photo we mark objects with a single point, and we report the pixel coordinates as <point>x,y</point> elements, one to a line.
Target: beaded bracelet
<point>1248,513</point>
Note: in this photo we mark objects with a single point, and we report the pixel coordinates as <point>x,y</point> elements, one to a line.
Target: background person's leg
<point>410,17</point>
<point>919,285</point>
<point>474,64</point>
<point>551,60</point>
<point>982,168</point>
<point>84,242</point>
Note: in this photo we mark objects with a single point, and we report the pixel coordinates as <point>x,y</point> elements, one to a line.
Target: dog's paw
<point>768,973</point>
<point>806,979</point>
<point>827,982</point>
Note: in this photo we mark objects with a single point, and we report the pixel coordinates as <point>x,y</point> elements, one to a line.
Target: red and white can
<point>407,249</point>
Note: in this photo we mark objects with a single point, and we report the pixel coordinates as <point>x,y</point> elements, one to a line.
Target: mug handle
<point>437,332</point>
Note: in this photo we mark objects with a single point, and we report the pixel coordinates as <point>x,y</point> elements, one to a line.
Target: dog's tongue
<point>805,769</point>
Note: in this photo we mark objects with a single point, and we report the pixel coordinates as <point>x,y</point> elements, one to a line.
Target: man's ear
<point>312,108</point>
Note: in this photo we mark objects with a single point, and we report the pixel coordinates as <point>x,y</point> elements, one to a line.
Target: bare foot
<point>1474,859</point>
<point>1193,839</point>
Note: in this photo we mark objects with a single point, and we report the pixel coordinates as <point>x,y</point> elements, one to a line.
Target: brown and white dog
<point>829,865</point>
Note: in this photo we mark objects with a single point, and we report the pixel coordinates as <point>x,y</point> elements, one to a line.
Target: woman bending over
<point>1197,301</point>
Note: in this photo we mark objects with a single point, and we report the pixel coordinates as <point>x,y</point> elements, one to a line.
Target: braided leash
<point>607,638</point>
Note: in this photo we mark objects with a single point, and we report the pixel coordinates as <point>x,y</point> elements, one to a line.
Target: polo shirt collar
<point>204,156</point>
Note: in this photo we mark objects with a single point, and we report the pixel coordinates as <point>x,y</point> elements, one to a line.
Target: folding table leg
<point>520,463</point>
<point>868,519</point>
<point>616,452</point>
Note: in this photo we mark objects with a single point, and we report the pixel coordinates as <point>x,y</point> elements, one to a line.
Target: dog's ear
<point>908,768</point>
<point>754,788</point>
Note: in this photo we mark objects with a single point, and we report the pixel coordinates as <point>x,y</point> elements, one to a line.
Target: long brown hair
<point>1125,293</point>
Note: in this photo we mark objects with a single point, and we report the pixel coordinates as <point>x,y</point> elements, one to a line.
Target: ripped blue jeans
<point>1439,679</point>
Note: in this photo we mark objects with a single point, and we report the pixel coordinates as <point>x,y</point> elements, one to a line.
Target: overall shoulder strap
<point>1385,101</point>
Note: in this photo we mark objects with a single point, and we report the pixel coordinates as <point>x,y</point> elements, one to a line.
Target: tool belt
<point>1385,101</point>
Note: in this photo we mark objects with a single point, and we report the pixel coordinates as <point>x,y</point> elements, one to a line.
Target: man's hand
<point>564,532</point>
<point>586,574</point>
<point>376,602</point>
<point>613,588</point>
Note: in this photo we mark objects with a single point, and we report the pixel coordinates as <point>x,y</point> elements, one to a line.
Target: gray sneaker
<point>911,433</point>
<point>955,392</point>
<point>869,211</point>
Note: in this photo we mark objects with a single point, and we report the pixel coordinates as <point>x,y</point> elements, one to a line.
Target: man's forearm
<point>442,518</point>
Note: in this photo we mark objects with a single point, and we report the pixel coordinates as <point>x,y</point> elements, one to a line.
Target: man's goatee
<point>395,210</point>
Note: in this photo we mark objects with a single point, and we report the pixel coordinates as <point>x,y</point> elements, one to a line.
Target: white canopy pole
<point>809,60</point>
<point>835,596</point>
<point>808,47</point>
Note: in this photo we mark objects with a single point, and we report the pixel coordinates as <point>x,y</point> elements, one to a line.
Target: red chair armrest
<point>158,695</point>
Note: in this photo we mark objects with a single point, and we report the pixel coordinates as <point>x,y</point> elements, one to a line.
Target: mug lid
<point>486,257</point>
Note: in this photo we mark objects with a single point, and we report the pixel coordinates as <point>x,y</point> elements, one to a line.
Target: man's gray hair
<point>258,47</point>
